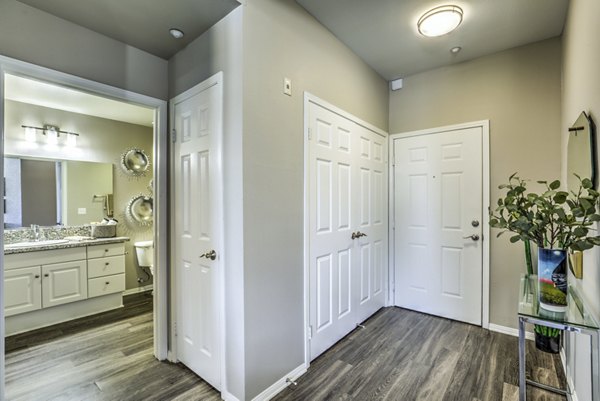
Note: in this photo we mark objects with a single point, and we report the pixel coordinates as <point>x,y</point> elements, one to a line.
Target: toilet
<point>144,251</point>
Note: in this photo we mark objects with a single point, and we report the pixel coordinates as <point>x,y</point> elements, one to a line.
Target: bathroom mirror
<point>50,192</point>
<point>140,210</point>
<point>135,162</point>
<point>581,152</point>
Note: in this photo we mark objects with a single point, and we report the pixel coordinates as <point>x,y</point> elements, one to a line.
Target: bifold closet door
<point>348,226</point>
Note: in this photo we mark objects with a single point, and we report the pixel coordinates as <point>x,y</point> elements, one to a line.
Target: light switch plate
<point>287,86</point>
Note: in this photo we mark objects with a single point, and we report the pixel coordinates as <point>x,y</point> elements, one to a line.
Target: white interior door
<point>198,228</point>
<point>438,223</point>
<point>347,196</point>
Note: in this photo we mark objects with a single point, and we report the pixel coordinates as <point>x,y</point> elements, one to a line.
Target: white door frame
<point>28,70</point>
<point>216,79</point>
<point>485,128</point>
<point>310,98</point>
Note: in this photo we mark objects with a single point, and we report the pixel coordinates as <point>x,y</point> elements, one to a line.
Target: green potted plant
<point>557,222</point>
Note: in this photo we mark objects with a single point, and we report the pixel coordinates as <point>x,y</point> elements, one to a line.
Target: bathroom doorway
<point>102,154</point>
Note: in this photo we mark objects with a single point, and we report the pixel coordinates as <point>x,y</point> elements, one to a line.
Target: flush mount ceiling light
<point>440,20</point>
<point>176,33</point>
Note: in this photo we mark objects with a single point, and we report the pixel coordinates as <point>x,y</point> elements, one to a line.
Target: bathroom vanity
<point>52,282</point>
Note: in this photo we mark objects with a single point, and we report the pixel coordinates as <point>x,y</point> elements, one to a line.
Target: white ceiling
<point>384,32</point>
<point>56,97</point>
<point>143,24</point>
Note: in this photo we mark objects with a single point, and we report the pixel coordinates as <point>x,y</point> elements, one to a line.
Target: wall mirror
<point>135,162</point>
<point>581,152</point>
<point>140,210</point>
<point>55,192</point>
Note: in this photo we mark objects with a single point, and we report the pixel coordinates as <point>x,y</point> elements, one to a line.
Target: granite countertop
<point>8,250</point>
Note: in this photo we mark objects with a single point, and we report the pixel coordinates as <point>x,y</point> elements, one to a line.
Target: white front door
<point>438,223</point>
<point>197,118</point>
<point>347,198</point>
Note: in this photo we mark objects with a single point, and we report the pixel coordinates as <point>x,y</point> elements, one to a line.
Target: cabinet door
<point>22,291</point>
<point>64,282</point>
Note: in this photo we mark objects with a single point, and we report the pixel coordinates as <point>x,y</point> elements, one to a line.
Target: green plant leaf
<point>586,183</point>
<point>554,184</point>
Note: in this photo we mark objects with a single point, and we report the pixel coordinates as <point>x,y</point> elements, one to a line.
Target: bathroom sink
<point>31,244</point>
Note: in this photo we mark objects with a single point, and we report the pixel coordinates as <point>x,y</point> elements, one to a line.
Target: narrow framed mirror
<point>581,152</point>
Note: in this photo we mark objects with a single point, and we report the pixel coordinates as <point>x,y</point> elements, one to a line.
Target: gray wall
<point>220,49</point>
<point>31,35</point>
<point>282,40</point>
<point>100,140</point>
<point>581,92</point>
<point>518,90</point>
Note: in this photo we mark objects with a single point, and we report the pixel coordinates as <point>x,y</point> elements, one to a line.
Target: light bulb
<point>30,134</point>
<point>71,140</point>
<point>52,136</point>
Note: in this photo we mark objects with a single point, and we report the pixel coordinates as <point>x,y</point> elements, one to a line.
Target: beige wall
<point>35,36</point>
<point>518,90</point>
<point>220,49</point>
<point>581,92</point>
<point>282,40</point>
<point>100,140</point>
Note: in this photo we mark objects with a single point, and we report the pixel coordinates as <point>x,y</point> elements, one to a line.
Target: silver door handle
<point>474,237</point>
<point>212,255</point>
<point>357,234</point>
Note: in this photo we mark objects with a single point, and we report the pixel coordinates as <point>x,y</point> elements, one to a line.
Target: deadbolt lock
<point>475,223</point>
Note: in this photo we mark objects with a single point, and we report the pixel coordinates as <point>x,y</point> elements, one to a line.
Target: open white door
<point>197,240</point>
<point>439,222</point>
<point>347,195</point>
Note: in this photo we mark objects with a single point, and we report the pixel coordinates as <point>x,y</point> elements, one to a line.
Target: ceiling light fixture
<point>176,33</point>
<point>455,49</point>
<point>440,20</point>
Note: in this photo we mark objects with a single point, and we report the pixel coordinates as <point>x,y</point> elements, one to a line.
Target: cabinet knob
<point>106,250</point>
<point>46,275</point>
<point>107,283</point>
<point>37,276</point>
<point>107,263</point>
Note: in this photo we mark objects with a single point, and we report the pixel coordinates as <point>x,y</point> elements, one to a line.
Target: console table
<point>577,319</point>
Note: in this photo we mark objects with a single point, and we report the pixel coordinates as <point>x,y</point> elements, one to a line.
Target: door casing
<point>160,229</point>
<point>485,128</point>
<point>309,98</point>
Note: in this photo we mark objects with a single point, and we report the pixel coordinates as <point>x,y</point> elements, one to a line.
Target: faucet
<point>36,232</point>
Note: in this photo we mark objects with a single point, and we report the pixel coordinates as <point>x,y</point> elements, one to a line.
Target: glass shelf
<point>577,314</point>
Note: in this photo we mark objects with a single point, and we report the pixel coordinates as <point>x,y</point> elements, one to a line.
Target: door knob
<point>474,237</point>
<point>212,255</point>
<point>357,234</point>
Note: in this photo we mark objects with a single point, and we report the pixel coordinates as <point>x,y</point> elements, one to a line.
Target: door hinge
<point>175,328</point>
<point>309,134</point>
<point>173,135</point>
<point>310,332</point>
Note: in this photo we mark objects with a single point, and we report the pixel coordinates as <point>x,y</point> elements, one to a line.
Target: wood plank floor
<point>401,355</point>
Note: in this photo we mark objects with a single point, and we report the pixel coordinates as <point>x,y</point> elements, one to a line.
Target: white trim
<point>227,396</point>
<point>280,384</point>
<point>485,150</point>
<point>24,69</point>
<point>509,331</point>
<point>310,98</point>
<point>216,79</point>
<point>137,290</point>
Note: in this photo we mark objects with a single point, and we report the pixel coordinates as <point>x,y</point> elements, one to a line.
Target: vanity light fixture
<point>52,134</point>
<point>440,20</point>
<point>176,33</point>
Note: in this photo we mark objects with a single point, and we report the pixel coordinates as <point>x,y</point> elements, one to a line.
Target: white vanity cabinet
<point>52,286</point>
<point>22,290</point>
<point>106,269</point>
<point>35,280</point>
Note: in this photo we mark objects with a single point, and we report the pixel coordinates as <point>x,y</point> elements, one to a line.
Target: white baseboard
<point>137,290</point>
<point>280,384</point>
<point>510,331</point>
